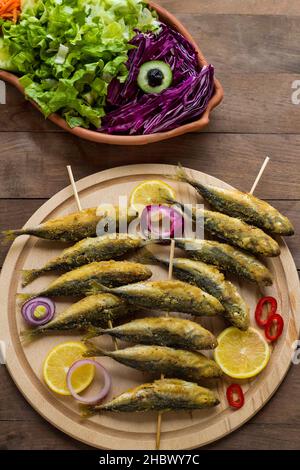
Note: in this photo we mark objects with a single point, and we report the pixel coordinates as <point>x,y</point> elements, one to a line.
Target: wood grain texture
<point>26,155</point>
<point>233,7</point>
<point>255,47</point>
<point>247,43</point>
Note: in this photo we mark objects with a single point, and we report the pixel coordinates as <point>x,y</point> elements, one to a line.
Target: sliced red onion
<point>38,311</point>
<point>103,392</point>
<point>160,221</point>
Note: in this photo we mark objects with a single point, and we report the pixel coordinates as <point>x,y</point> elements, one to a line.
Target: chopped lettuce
<point>68,51</point>
<point>5,58</point>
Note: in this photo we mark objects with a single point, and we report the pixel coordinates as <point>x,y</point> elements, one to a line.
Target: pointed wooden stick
<point>172,249</point>
<point>260,173</point>
<point>75,192</point>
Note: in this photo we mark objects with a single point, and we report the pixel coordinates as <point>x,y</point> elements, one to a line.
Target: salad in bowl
<point>115,71</point>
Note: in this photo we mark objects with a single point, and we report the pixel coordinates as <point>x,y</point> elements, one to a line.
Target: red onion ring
<point>29,307</point>
<point>174,219</point>
<point>103,392</point>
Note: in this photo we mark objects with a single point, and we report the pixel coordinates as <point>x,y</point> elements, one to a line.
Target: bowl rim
<point>101,137</point>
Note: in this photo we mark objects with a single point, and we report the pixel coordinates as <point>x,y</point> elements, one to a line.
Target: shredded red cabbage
<point>131,111</point>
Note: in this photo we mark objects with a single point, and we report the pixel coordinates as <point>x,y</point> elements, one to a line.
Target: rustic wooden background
<point>255,47</point>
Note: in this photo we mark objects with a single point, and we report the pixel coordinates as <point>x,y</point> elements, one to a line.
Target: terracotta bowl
<point>99,137</point>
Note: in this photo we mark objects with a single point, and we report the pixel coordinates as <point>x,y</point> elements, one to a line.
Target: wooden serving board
<point>180,430</point>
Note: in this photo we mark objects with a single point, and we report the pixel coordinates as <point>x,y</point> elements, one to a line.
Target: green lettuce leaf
<point>67,52</point>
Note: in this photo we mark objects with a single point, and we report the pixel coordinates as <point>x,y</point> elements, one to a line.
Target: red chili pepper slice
<point>274,327</point>
<point>235,396</point>
<point>259,310</point>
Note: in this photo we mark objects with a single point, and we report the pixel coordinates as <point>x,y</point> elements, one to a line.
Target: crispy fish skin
<point>164,331</point>
<point>237,232</point>
<point>88,250</point>
<point>242,205</point>
<point>166,295</point>
<point>209,278</point>
<point>171,362</point>
<point>227,258</point>
<point>94,310</point>
<point>161,395</point>
<point>233,230</point>
<point>109,273</point>
<point>71,227</point>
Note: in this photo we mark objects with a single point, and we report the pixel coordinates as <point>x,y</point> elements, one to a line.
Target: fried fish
<point>239,204</point>
<point>75,226</point>
<point>171,362</point>
<point>88,250</point>
<point>94,310</point>
<point>163,331</point>
<point>109,273</point>
<point>169,296</point>
<point>209,278</point>
<point>161,395</point>
<point>227,258</point>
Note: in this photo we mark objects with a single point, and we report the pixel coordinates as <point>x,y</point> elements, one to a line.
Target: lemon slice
<point>57,364</point>
<point>242,354</point>
<point>150,192</point>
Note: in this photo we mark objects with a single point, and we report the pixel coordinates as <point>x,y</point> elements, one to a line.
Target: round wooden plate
<point>180,430</point>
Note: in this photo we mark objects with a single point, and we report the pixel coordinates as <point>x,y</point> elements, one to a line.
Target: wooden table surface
<point>255,47</point>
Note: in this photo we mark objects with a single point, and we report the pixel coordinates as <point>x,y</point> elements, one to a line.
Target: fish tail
<point>10,235</point>
<point>166,200</point>
<point>144,256</point>
<point>150,241</point>
<point>181,174</point>
<point>92,331</point>
<point>24,297</point>
<point>95,288</point>
<point>29,335</point>
<point>87,410</point>
<point>93,350</point>
<point>29,275</point>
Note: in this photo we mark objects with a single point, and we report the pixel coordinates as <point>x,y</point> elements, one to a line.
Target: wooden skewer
<point>75,192</point>
<point>260,173</point>
<point>78,203</point>
<point>172,248</point>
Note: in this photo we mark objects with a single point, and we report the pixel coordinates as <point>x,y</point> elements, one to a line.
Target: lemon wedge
<point>242,354</point>
<point>57,364</point>
<point>150,192</point>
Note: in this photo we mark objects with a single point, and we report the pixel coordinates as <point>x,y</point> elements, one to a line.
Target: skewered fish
<point>109,273</point>
<point>161,395</point>
<point>227,258</point>
<point>209,278</point>
<point>237,232</point>
<point>75,226</point>
<point>94,310</point>
<point>242,205</point>
<point>166,295</point>
<point>163,331</point>
<point>168,361</point>
<point>106,247</point>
